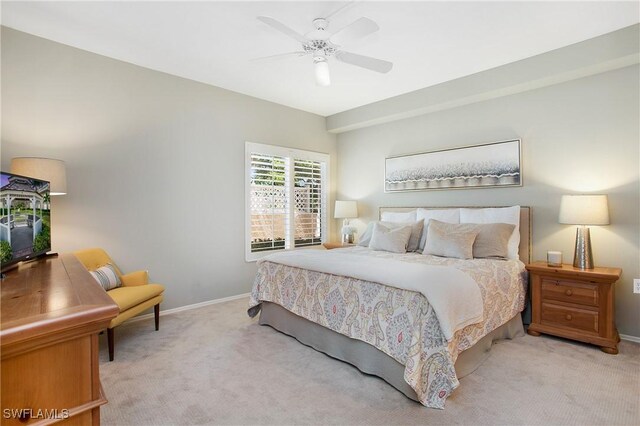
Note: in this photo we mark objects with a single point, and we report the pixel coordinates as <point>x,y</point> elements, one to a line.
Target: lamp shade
<point>47,169</point>
<point>345,210</point>
<point>584,210</point>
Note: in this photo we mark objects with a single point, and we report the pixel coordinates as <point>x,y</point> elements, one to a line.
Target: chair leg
<point>110,339</point>
<point>156,313</point>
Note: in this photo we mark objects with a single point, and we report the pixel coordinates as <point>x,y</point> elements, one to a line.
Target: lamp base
<point>347,238</point>
<point>583,256</point>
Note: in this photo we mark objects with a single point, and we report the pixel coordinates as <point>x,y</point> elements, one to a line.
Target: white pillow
<point>497,215</point>
<point>365,238</point>
<point>393,240</point>
<point>444,215</point>
<point>403,217</point>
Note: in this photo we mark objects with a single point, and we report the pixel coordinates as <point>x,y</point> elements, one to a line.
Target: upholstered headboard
<point>524,249</point>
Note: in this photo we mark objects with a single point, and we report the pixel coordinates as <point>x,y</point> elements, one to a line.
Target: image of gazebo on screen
<point>24,217</point>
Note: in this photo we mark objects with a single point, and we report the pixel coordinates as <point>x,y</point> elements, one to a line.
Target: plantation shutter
<point>309,202</point>
<point>286,199</point>
<point>269,202</point>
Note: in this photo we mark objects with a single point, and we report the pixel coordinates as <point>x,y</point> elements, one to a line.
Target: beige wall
<point>578,136</point>
<point>155,163</point>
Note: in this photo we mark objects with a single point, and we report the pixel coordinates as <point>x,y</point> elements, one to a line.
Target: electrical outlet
<point>636,285</point>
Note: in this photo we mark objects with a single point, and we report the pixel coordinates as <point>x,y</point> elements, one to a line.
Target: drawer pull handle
<point>568,292</point>
<point>568,317</point>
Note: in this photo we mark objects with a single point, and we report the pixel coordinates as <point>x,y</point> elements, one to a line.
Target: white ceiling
<point>214,42</point>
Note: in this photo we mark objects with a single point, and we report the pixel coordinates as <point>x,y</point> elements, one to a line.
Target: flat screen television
<point>25,225</point>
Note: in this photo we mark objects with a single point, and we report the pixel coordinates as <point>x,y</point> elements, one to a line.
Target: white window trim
<point>298,154</point>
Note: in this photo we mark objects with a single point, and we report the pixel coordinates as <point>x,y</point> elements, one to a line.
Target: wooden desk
<point>52,312</point>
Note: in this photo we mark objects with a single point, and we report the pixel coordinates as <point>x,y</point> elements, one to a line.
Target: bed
<point>342,302</point>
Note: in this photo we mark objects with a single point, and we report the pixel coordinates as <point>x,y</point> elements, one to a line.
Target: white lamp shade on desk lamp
<point>584,210</point>
<point>47,169</point>
<point>346,210</point>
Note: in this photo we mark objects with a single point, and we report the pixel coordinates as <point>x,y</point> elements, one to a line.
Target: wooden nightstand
<point>574,303</point>
<point>330,246</point>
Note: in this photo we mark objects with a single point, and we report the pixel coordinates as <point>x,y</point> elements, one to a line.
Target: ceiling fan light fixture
<point>323,78</point>
<point>321,44</point>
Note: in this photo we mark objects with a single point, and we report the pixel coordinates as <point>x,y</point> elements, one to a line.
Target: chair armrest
<point>135,278</point>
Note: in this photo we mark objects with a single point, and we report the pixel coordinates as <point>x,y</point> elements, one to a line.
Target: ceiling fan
<point>321,44</point>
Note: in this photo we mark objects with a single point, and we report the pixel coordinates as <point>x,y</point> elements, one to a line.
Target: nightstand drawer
<point>570,317</point>
<point>572,292</point>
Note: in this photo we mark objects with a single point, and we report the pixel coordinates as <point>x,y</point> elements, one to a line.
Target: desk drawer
<point>572,292</point>
<point>569,317</point>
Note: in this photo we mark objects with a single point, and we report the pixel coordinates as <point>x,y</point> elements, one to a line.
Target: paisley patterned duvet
<point>400,323</point>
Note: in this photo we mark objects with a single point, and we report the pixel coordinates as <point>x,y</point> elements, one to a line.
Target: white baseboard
<point>630,338</point>
<point>189,307</point>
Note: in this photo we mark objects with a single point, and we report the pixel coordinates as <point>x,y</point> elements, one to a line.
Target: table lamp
<point>346,210</point>
<point>583,210</point>
<point>48,169</point>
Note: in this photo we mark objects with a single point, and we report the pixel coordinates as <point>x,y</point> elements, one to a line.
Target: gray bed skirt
<point>366,357</point>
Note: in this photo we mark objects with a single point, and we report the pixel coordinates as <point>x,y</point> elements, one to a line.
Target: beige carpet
<point>214,365</point>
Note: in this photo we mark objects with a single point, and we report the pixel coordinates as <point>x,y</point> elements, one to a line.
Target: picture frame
<point>487,165</point>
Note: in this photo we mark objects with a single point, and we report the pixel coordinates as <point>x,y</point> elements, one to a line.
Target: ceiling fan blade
<point>280,56</point>
<point>340,9</point>
<point>367,62</point>
<point>357,29</point>
<point>282,28</point>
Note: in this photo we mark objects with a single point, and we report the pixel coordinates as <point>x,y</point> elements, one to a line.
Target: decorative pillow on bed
<point>443,215</point>
<point>403,217</point>
<point>365,238</point>
<point>107,277</point>
<point>497,215</point>
<point>416,232</point>
<point>414,240</point>
<point>450,239</point>
<point>387,239</point>
<point>493,240</point>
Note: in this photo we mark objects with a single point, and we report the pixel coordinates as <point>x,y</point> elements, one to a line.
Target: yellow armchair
<point>135,295</point>
<point>135,278</point>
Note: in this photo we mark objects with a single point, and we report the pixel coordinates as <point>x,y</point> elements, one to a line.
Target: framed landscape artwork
<point>480,166</point>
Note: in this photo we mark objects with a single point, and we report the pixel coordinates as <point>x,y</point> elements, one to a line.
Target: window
<point>286,198</point>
